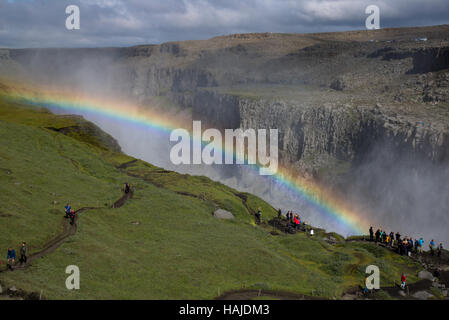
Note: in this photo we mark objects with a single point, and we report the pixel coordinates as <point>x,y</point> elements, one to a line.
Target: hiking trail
<point>68,231</point>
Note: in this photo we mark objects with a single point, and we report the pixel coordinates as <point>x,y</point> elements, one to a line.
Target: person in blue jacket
<point>432,247</point>
<point>420,243</point>
<point>67,210</point>
<point>11,257</point>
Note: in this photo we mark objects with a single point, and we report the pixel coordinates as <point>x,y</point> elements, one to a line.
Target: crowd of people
<point>294,221</point>
<point>404,246</point>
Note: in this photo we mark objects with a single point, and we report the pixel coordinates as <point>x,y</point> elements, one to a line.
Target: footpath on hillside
<point>68,230</point>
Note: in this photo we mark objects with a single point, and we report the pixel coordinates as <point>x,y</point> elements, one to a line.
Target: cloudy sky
<point>41,23</point>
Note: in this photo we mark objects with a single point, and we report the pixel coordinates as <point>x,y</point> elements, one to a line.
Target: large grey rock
<point>422,295</point>
<point>223,214</point>
<point>424,274</point>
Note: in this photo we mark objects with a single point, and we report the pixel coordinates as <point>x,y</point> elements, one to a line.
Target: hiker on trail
<point>403,281</point>
<point>392,237</point>
<point>311,232</point>
<point>127,187</point>
<point>67,210</point>
<point>439,250</point>
<point>371,234</point>
<point>279,213</point>
<point>72,217</point>
<point>416,245</point>
<point>432,247</point>
<point>384,237</point>
<point>23,253</point>
<point>403,247</point>
<point>11,257</point>
<point>377,235</point>
<point>388,241</point>
<point>258,215</point>
<point>297,222</point>
<point>398,237</point>
<point>420,244</point>
<point>409,247</point>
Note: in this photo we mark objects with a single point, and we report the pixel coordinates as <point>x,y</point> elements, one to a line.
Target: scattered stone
<point>422,295</point>
<point>135,223</point>
<point>12,290</point>
<point>424,274</point>
<point>330,240</point>
<point>402,293</point>
<point>444,292</point>
<point>223,214</point>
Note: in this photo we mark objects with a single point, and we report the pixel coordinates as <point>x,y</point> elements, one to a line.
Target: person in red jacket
<point>72,217</point>
<point>403,280</point>
<point>297,222</point>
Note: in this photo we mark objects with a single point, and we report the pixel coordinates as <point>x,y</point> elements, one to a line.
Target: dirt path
<point>68,231</point>
<point>249,294</point>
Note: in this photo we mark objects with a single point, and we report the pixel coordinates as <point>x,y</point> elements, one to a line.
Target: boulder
<point>422,295</point>
<point>223,214</point>
<point>424,274</point>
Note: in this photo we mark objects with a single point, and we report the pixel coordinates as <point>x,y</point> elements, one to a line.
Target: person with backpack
<point>279,213</point>
<point>23,253</point>
<point>398,237</point>
<point>403,281</point>
<point>11,257</point>
<point>371,234</point>
<point>416,245</point>
<point>392,238</point>
<point>72,217</point>
<point>67,210</point>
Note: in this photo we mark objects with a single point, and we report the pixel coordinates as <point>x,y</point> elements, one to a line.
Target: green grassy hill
<point>164,243</point>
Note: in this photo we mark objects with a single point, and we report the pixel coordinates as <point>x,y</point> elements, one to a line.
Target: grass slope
<point>178,250</point>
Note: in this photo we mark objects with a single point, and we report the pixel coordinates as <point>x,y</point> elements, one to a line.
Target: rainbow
<point>68,101</point>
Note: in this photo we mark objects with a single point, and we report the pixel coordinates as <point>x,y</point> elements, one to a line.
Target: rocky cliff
<point>332,96</point>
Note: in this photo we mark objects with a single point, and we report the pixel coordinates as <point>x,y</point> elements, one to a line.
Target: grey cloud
<point>41,23</point>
